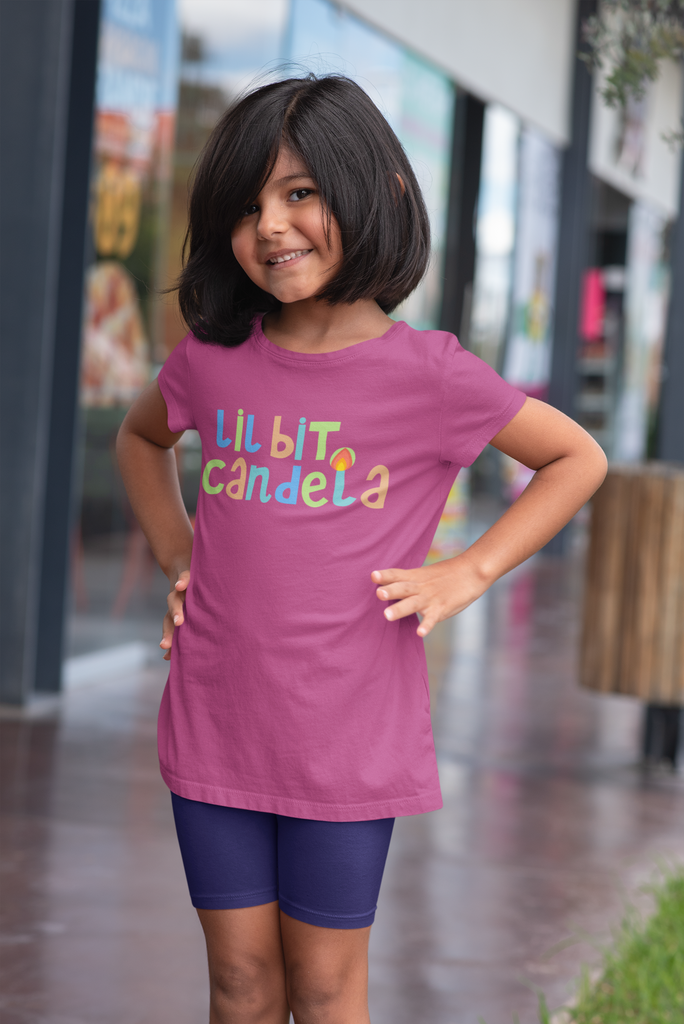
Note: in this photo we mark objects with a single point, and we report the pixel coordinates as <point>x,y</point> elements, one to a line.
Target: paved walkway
<point>548,827</point>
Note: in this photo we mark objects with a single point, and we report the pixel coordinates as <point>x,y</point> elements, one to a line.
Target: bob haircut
<point>353,156</point>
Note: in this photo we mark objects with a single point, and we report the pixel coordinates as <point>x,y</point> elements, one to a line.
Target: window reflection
<point>117,588</point>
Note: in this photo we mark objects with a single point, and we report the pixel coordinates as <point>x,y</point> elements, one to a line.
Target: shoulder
<point>463,379</point>
<point>426,341</point>
<point>431,349</point>
<point>199,354</point>
<point>445,349</point>
<point>439,354</point>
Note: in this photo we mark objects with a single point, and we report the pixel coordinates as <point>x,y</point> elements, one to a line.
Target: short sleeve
<point>477,404</point>
<point>175,386</point>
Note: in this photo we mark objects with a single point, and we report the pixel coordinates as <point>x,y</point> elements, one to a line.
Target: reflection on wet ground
<point>548,827</point>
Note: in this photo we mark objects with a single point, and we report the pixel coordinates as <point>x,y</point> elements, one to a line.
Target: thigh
<point>229,854</point>
<point>329,872</point>
<point>245,941</point>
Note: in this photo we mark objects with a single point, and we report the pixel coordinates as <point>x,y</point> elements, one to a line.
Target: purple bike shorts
<point>325,873</point>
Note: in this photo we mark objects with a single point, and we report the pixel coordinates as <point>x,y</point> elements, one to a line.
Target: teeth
<point>290,256</point>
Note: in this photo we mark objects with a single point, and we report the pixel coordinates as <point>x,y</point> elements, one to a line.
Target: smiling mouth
<point>286,257</point>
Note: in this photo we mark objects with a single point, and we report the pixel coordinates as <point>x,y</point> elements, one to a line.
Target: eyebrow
<point>292,177</point>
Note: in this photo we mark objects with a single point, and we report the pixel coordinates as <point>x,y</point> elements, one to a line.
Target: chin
<point>288,295</point>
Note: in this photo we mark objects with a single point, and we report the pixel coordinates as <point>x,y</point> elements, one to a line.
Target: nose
<point>272,220</point>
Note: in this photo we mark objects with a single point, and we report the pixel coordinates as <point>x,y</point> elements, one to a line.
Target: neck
<point>312,326</point>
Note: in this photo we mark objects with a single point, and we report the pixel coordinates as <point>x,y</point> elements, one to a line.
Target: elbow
<point>597,464</point>
<point>604,466</point>
<point>122,440</point>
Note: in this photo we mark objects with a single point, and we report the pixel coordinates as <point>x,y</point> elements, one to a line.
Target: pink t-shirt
<point>289,691</point>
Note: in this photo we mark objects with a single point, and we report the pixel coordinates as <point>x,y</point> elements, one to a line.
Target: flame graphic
<point>343,458</point>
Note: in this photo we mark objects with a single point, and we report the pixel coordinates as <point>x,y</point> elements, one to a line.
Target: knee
<point>243,985</point>
<point>314,994</point>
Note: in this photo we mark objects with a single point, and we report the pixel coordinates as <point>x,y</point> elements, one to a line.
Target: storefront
<point>165,74</point>
<point>114,577</point>
<point>635,178</point>
<point>494,154</point>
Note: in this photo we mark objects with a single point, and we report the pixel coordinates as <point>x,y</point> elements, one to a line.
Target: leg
<point>246,966</point>
<point>329,875</point>
<point>327,972</point>
<point>230,860</point>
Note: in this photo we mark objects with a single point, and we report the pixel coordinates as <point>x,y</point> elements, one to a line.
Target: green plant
<point>544,1015</point>
<point>632,38</point>
<point>642,980</point>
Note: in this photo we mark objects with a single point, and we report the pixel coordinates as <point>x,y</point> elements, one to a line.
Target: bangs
<point>354,157</point>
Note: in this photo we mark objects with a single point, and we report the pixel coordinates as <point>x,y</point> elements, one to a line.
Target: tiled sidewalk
<point>548,827</point>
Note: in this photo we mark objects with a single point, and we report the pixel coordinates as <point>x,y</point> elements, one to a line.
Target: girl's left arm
<point>569,466</point>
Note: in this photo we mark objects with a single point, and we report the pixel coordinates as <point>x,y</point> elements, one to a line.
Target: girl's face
<point>280,240</point>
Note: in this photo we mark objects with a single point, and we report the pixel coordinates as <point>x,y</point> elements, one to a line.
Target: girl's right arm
<point>147,462</point>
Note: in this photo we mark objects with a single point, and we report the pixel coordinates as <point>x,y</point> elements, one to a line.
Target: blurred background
<point>558,257</point>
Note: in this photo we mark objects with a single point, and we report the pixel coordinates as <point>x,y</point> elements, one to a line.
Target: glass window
<point>226,46</point>
<point>416,99</point>
<point>166,72</point>
<point>528,350</point>
<point>117,588</point>
<point>647,294</point>
<point>495,236</point>
<point>167,69</point>
<point>527,357</point>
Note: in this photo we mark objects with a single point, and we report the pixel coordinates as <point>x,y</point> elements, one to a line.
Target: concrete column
<point>573,234</point>
<point>573,245</point>
<point>459,256</point>
<point>47,67</point>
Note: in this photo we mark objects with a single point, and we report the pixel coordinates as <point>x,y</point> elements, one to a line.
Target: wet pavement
<point>549,828</point>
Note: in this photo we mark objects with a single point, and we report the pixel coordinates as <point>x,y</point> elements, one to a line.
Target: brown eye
<point>300,193</point>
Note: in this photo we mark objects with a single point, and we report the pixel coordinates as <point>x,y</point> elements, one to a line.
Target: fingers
<point>397,583</point>
<point>175,603</point>
<point>435,592</point>
<point>395,591</point>
<point>410,606</point>
<point>400,589</point>
<point>391,575</point>
<point>412,593</point>
<point>176,599</point>
<point>183,580</point>
<point>167,636</point>
<point>174,616</point>
<point>427,624</point>
<point>430,611</point>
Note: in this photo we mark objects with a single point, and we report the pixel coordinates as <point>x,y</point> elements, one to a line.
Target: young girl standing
<point>295,725</point>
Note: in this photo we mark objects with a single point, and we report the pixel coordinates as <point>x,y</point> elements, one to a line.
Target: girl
<point>295,725</point>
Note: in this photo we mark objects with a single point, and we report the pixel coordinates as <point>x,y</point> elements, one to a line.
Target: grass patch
<point>642,980</point>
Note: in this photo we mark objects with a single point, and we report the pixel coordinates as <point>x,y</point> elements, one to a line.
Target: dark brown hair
<point>353,156</point>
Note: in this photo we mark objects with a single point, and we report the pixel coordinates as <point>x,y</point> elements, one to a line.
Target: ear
<point>402,186</point>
